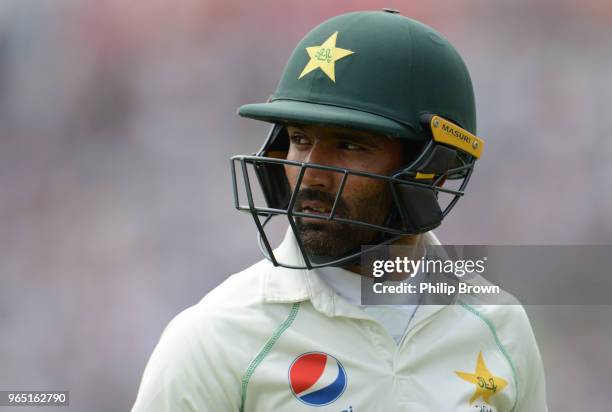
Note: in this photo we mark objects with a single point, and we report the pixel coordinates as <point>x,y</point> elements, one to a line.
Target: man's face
<point>363,199</point>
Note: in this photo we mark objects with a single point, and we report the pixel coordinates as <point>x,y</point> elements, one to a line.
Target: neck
<point>410,252</point>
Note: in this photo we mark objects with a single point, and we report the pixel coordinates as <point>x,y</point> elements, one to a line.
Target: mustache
<point>323,197</point>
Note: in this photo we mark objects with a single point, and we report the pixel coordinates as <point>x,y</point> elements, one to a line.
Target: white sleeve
<point>533,394</point>
<point>186,374</point>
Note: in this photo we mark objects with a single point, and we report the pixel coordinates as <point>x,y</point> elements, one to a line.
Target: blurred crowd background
<point>117,120</point>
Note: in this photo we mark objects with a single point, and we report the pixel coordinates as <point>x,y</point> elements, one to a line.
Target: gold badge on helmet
<point>324,57</point>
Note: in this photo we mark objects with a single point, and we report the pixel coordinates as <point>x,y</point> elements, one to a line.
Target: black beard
<point>327,241</point>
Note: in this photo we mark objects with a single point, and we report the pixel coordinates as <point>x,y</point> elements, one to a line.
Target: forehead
<point>330,131</point>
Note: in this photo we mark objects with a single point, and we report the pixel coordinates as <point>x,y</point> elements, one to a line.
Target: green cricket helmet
<point>380,72</point>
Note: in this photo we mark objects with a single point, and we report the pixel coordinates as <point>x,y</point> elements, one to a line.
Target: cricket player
<point>373,117</point>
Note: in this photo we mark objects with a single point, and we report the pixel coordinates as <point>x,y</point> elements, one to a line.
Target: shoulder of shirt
<point>505,318</point>
<point>228,324</point>
<point>511,330</point>
<point>508,323</point>
<point>236,299</point>
<point>209,346</point>
<point>241,289</point>
<point>234,308</point>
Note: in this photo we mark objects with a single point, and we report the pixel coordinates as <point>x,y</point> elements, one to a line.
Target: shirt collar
<point>284,285</point>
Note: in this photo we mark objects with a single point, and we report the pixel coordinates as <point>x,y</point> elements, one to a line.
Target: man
<point>373,116</point>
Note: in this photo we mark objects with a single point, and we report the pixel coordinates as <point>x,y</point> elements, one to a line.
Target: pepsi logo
<point>317,379</point>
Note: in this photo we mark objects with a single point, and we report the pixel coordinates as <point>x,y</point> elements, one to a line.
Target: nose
<point>315,178</point>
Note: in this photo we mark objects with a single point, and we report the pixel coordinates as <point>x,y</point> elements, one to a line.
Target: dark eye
<point>299,139</point>
<point>350,146</point>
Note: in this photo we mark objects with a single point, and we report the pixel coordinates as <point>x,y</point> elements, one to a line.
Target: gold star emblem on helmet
<point>324,57</point>
<point>487,385</point>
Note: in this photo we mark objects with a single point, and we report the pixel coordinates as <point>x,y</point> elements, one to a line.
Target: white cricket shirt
<point>271,339</point>
<point>394,318</point>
